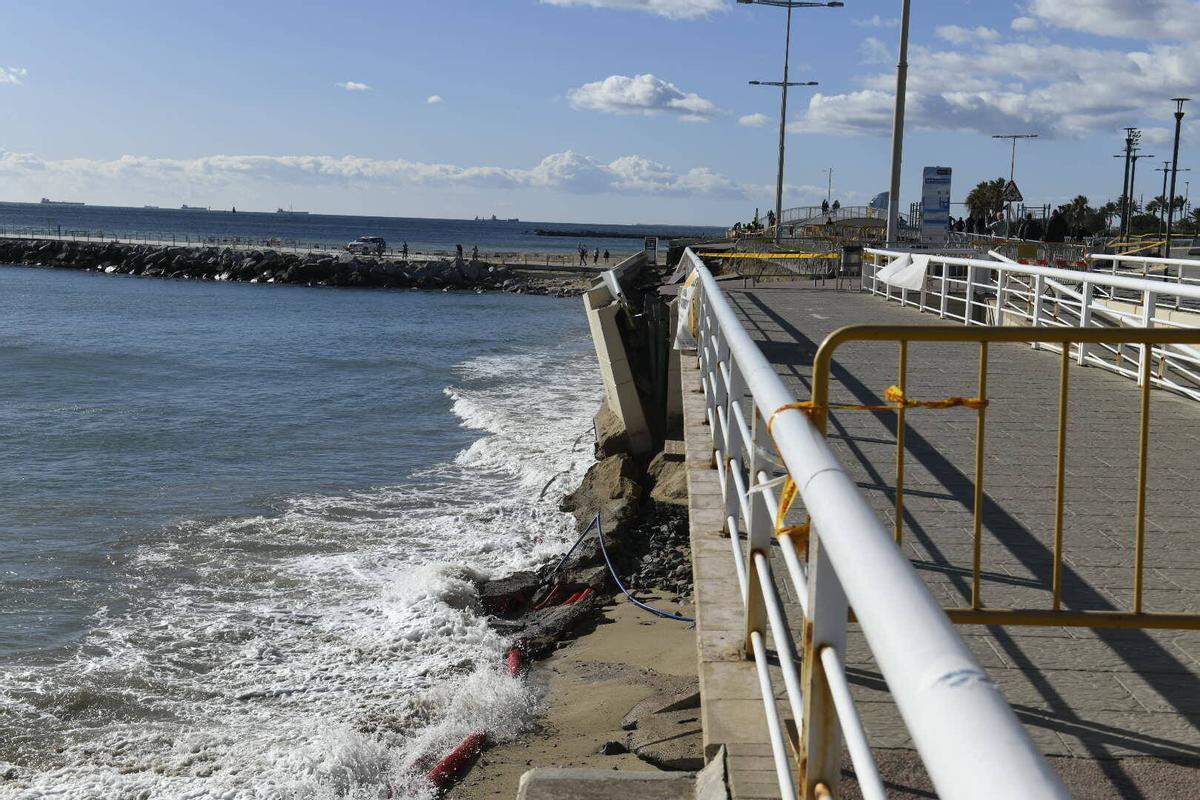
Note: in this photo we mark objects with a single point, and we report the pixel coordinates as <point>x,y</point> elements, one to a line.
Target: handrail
<point>1074,276</point>
<point>1037,296</point>
<point>972,744</point>
<point>1117,257</point>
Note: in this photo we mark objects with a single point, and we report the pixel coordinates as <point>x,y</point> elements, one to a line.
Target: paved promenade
<point>1118,708</point>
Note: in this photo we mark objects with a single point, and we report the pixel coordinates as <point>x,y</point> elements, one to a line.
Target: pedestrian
<point>458,252</point>
<point>475,253</point>
<point>404,251</point>
<point>596,256</point>
<point>582,256</point>
<point>605,256</point>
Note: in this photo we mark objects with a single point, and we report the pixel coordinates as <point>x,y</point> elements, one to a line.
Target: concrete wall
<point>620,391</point>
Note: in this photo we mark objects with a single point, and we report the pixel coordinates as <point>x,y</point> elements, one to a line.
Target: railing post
<point>969,298</point>
<point>1001,294</point>
<point>761,528</point>
<point>821,732</point>
<point>945,298</point>
<point>1085,321</point>
<point>1149,303</point>
<point>1039,286</point>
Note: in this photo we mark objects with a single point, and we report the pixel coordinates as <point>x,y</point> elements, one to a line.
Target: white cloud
<point>874,51</point>
<point>642,94</point>
<point>1047,88</point>
<point>12,74</point>
<point>435,99</point>
<point>672,9</point>
<point>1025,24</point>
<point>876,21</point>
<point>957,34</point>
<point>1177,20</point>
<point>566,172</point>
<point>353,86</point>
<point>754,120</point>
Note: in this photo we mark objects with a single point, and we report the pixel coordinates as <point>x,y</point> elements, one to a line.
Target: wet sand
<point>590,684</point>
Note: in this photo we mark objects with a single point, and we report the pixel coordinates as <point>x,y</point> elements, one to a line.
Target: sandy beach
<point>588,686</point>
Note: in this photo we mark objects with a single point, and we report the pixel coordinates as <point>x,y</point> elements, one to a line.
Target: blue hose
<point>613,571</point>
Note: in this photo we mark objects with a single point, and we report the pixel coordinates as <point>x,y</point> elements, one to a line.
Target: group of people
<point>583,256</point>
<point>1053,229</point>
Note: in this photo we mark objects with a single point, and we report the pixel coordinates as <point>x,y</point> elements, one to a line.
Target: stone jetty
<point>270,266</point>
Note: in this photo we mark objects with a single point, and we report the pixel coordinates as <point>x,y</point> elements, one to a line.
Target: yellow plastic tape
<point>777,256</point>
<point>896,400</point>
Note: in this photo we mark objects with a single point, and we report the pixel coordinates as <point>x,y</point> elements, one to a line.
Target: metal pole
<point>1130,140</point>
<point>1179,101</point>
<point>787,52</point>
<point>1012,166</point>
<point>898,129</point>
<point>1162,211</point>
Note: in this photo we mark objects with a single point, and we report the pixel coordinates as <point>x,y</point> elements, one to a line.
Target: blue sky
<point>587,110</point>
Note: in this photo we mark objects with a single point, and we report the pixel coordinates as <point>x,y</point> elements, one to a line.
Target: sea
<point>241,527</point>
<point>433,236</point>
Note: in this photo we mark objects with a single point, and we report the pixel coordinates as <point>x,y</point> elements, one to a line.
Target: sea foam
<point>330,649</point>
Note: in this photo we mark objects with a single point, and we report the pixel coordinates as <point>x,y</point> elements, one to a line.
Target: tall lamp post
<point>893,218</point>
<point>784,84</point>
<point>1179,101</point>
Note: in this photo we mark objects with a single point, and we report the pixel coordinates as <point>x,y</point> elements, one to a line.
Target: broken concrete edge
<point>616,373</point>
<point>556,783</point>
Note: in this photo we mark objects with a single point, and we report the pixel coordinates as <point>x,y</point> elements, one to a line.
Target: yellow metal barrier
<point>904,335</point>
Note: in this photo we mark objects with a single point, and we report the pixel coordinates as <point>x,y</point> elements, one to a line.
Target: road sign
<point>1011,193</point>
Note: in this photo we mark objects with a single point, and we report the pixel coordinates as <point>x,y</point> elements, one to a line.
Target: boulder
<point>610,431</point>
<point>609,488</point>
<point>668,475</point>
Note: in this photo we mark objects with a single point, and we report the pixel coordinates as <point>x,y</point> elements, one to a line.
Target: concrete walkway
<point>1117,709</point>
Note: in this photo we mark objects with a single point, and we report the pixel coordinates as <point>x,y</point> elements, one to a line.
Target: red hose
<point>513,661</point>
<point>446,770</point>
<point>549,598</point>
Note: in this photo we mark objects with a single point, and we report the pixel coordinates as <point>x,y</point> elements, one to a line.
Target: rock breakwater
<point>270,266</point>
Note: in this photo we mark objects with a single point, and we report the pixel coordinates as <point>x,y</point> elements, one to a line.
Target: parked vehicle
<point>367,245</point>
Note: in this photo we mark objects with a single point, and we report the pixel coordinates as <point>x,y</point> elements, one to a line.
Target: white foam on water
<point>329,650</point>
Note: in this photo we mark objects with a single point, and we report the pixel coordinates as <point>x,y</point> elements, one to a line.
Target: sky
<point>623,111</point>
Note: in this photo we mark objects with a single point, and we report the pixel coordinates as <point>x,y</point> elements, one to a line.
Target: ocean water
<point>328,230</point>
<point>240,525</point>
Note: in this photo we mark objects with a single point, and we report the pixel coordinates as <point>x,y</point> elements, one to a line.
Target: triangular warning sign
<point>1011,193</point>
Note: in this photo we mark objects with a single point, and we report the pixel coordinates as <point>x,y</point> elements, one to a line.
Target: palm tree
<point>986,198</point>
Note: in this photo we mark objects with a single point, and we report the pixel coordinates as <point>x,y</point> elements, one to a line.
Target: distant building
<point>880,201</point>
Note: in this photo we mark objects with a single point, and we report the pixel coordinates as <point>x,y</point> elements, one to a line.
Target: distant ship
<point>186,207</point>
<point>149,206</point>
<point>288,211</point>
<point>494,218</point>
<point>46,201</point>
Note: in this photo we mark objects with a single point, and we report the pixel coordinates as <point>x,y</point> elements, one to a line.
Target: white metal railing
<point>1002,292</point>
<point>969,739</point>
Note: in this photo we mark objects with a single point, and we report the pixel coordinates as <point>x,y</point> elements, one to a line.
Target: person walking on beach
<point>404,251</point>
<point>596,256</point>
<point>582,256</point>
<point>475,252</point>
<point>605,256</point>
<point>458,252</point>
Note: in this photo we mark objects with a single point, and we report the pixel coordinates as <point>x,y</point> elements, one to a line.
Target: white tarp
<point>906,272</point>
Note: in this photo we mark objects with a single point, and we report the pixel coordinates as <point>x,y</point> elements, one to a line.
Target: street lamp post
<point>893,218</point>
<point>784,84</point>
<point>1179,101</point>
